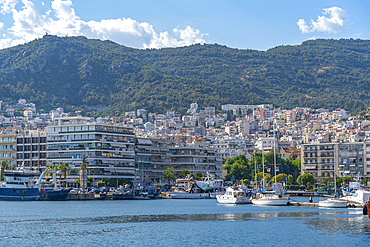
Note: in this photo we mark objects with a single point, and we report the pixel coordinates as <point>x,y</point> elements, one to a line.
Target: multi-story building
<point>323,159</point>
<point>8,148</point>
<point>196,157</point>
<point>152,159</point>
<point>231,147</point>
<point>31,149</point>
<point>109,150</point>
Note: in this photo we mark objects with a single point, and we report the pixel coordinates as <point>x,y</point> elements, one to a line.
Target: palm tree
<point>83,176</point>
<point>49,170</point>
<point>64,169</point>
<point>4,166</point>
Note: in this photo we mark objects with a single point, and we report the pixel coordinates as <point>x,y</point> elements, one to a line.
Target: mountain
<point>81,73</point>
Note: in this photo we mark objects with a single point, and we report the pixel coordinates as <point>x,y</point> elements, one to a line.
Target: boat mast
<point>275,158</point>
<point>335,183</point>
<point>263,171</point>
<point>255,170</point>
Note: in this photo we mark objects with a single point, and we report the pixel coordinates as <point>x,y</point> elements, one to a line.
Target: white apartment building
<point>109,150</point>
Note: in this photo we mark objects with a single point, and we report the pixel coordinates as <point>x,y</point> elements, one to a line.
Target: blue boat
<point>26,186</point>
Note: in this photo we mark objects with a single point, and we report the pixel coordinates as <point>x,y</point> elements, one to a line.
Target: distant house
<point>287,152</point>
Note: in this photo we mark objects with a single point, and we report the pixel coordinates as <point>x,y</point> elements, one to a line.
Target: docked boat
<point>21,185</point>
<point>210,183</point>
<point>233,195</point>
<point>270,200</point>
<point>187,188</point>
<point>274,198</point>
<point>333,203</point>
<point>360,196</point>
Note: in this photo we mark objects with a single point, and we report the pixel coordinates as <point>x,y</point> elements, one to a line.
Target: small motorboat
<point>333,203</point>
<point>233,195</point>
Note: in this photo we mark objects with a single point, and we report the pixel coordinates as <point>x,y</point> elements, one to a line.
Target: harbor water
<point>178,223</point>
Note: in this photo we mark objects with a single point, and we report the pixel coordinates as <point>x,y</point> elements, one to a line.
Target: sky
<point>243,24</point>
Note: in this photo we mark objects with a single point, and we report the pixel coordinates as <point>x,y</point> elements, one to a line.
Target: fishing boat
<point>22,185</point>
<point>187,188</point>
<point>233,195</point>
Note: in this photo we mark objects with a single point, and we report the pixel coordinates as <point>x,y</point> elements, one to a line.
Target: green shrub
<point>100,184</point>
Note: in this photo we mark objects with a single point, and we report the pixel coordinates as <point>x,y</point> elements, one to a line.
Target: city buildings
<point>108,150</point>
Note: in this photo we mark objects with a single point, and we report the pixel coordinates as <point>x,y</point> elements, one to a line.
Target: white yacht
<point>233,195</point>
<point>271,200</point>
<point>333,203</point>
<point>361,196</point>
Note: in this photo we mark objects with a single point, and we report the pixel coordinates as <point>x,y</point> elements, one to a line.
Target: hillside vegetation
<point>73,71</point>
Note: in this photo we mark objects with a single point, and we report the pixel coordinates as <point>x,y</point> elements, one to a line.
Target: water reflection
<point>190,217</point>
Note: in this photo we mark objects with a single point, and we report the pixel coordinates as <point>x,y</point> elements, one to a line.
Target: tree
<point>246,182</point>
<point>198,176</point>
<point>184,173</point>
<point>168,175</point>
<point>324,181</point>
<point>290,180</point>
<point>279,178</point>
<point>49,169</point>
<point>305,178</point>
<point>238,167</point>
<point>297,163</point>
<point>294,155</point>
<point>4,166</point>
<point>267,178</point>
<point>64,169</point>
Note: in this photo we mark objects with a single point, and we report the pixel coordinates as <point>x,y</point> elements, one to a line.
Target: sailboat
<point>333,202</point>
<point>277,198</point>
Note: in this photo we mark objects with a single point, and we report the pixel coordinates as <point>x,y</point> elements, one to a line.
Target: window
<point>71,128</point>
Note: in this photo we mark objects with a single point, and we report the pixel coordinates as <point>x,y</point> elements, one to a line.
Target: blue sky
<point>170,23</point>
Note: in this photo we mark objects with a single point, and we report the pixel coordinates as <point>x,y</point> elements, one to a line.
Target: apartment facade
<point>343,159</point>
<point>31,149</point>
<point>109,150</point>
<point>8,149</point>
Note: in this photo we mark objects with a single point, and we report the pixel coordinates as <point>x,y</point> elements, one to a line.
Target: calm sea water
<point>178,223</point>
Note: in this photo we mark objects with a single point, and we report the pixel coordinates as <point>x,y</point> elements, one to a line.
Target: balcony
<point>326,149</point>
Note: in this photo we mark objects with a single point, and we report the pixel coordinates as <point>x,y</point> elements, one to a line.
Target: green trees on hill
<point>73,71</point>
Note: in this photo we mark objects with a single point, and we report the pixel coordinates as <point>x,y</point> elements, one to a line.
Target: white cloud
<point>332,21</point>
<point>61,20</point>
<point>6,6</point>
<point>1,25</point>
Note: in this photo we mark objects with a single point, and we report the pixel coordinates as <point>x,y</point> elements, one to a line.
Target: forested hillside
<point>74,71</point>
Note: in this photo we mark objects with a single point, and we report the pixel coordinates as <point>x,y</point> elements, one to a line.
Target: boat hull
<point>270,202</point>
<point>190,195</point>
<point>232,200</point>
<point>333,204</point>
<point>31,194</point>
